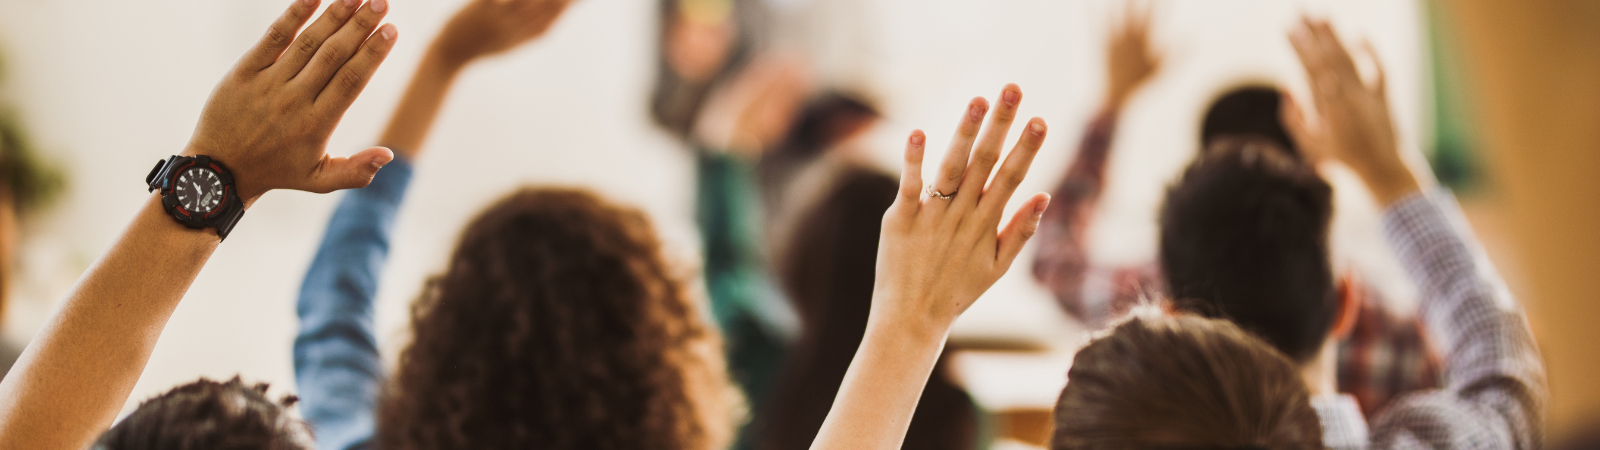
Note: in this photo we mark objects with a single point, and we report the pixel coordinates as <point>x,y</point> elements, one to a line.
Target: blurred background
<point>1501,97</point>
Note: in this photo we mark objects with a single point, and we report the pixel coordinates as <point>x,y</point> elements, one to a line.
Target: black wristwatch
<point>198,192</point>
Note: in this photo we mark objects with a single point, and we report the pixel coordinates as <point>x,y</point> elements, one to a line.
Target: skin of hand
<point>935,257</point>
<point>1351,124</point>
<point>489,27</point>
<point>267,121</point>
<point>481,28</point>
<point>1130,59</point>
<point>756,110</point>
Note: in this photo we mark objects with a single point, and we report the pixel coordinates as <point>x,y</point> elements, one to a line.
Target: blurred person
<point>27,185</point>
<point>265,127</point>
<point>1382,356</point>
<point>702,44</point>
<point>729,100</point>
<point>825,261</point>
<point>208,415</point>
<point>1183,382</point>
<point>556,323</point>
<point>1245,237</point>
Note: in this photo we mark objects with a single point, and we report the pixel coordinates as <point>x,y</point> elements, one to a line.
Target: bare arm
<point>268,120</point>
<point>481,28</point>
<point>935,257</point>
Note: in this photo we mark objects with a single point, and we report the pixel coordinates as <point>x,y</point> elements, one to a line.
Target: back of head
<point>1248,110</point>
<point>557,325</point>
<point>207,415</point>
<point>1244,236</point>
<point>1183,382</point>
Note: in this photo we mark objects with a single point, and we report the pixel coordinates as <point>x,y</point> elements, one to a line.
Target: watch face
<point>198,189</point>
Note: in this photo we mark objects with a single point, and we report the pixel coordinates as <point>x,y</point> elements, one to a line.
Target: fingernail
<point>977,113</point>
<point>387,32</point>
<point>309,2</point>
<point>352,4</point>
<point>916,139</point>
<point>1036,127</point>
<point>380,5</point>
<point>1038,210</point>
<point>1011,97</point>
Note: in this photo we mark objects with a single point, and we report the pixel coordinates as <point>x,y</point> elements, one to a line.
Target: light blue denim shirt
<point>336,361</point>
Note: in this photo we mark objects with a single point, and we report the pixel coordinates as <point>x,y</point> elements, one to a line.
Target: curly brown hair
<point>558,325</point>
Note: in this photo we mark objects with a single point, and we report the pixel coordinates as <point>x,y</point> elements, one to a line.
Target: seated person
<point>1244,236</point>
<point>265,127</point>
<point>556,322</point>
<point>207,415</point>
<point>1183,382</point>
<point>1381,356</point>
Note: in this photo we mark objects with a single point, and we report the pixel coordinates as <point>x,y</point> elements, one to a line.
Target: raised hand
<point>757,109</point>
<point>487,27</point>
<point>1130,60</point>
<point>1352,123</point>
<point>940,249</point>
<point>270,118</point>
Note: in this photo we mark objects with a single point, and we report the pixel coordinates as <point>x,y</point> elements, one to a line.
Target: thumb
<point>1022,226</point>
<point>352,172</point>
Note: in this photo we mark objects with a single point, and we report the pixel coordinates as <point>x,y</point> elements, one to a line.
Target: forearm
<point>880,391</point>
<point>75,376</point>
<point>1062,261</point>
<point>414,117</point>
<point>336,361</point>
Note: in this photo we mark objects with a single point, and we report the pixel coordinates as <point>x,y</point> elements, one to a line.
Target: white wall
<point>110,87</point>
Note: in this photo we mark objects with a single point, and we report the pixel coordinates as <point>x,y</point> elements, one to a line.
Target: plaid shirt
<point>1495,393</point>
<point>1383,358</point>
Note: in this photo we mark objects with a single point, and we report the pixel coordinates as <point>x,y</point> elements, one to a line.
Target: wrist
<point>887,318</point>
<point>442,61</point>
<point>1390,182</point>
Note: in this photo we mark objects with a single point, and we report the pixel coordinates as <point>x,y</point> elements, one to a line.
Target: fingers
<point>352,78</point>
<point>1011,173</point>
<point>353,172</point>
<point>278,36</point>
<point>1294,120</point>
<point>955,159</point>
<point>342,46</point>
<point>911,175</point>
<point>987,151</point>
<point>1016,233</point>
<point>305,46</point>
<point>1380,84</point>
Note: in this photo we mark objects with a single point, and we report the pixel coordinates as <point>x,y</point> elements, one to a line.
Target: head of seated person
<point>557,324</point>
<point>208,415</point>
<point>1244,236</point>
<point>1170,382</point>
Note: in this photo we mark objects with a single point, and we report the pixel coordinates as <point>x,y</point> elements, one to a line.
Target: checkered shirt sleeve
<point>1494,395</point>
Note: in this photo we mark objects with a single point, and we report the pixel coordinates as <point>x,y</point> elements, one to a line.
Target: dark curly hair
<point>1183,382</point>
<point>557,325</point>
<point>210,415</point>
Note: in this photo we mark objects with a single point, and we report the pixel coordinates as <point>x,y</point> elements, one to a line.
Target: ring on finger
<point>934,193</point>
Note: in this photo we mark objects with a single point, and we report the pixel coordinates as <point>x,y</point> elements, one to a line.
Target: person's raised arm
<point>1062,262</point>
<point>481,28</point>
<point>938,252</point>
<point>337,366</point>
<point>1495,386</point>
<point>269,121</point>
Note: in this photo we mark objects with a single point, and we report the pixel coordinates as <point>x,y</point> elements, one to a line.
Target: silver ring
<point>934,193</point>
